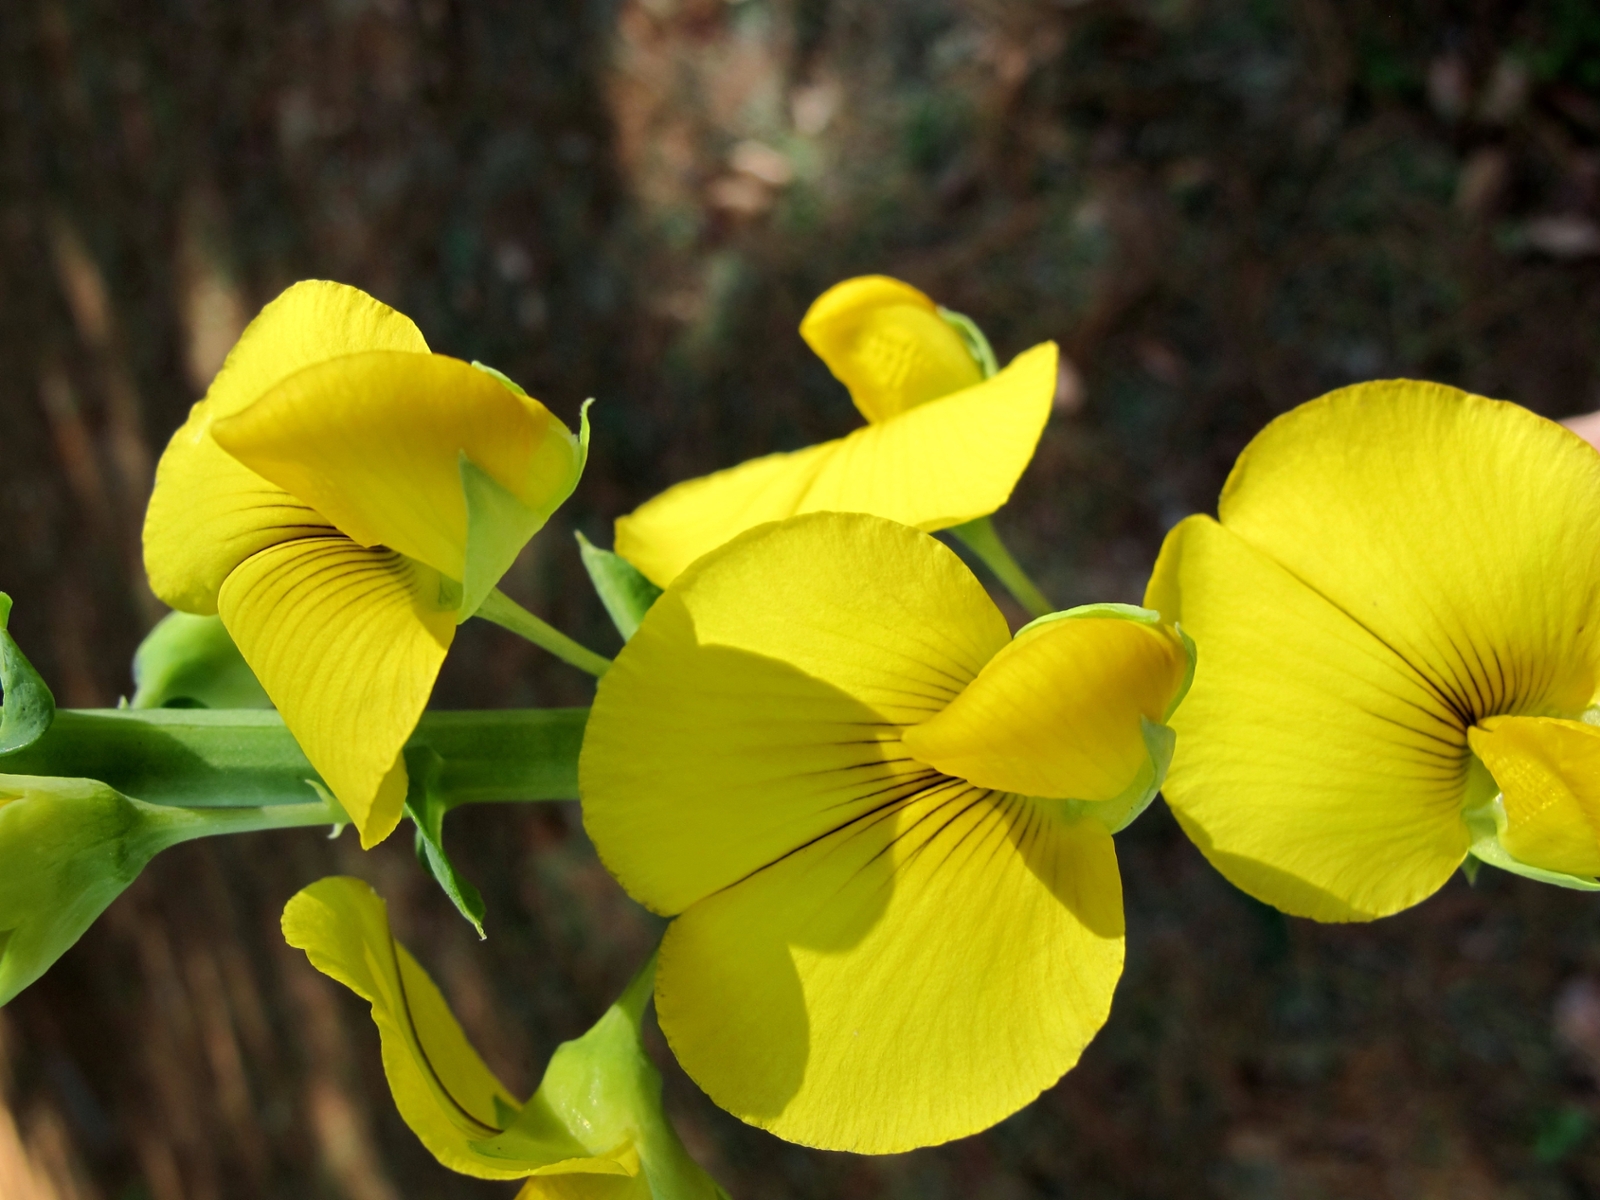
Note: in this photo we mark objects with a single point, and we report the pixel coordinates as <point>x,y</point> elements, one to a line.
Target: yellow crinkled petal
<point>374,442</point>
<point>887,343</point>
<point>1315,767</point>
<point>1463,532</point>
<point>760,703</point>
<point>347,643</point>
<point>208,512</point>
<point>585,1186</point>
<point>1057,712</point>
<point>443,1090</point>
<point>942,463</point>
<point>1548,771</point>
<point>913,977</point>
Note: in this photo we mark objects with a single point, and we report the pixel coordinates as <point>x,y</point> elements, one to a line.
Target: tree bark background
<point>1219,209</point>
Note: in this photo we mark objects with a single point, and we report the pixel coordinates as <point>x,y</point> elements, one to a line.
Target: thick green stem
<point>983,540</point>
<point>247,758</point>
<point>508,614</point>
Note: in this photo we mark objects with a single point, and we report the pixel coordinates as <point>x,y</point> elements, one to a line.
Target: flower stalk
<point>505,612</point>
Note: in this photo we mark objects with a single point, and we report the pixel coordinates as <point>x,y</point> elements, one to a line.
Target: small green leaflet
<point>625,592</point>
<point>426,807</point>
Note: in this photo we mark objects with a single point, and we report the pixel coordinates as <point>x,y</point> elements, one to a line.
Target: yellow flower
<point>884,826</point>
<point>593,1131</point>
<point>1396,619</point>
<point>343,498</point>
<point>942,446</point>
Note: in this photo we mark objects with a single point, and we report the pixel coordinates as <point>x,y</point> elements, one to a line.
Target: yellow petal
<point>1460,531</point>
<point>347,643</point>
<point>887,343</point>
<point>1549,776</point>
<point>375,442</point>
<point>759,704</point>
<point>443,1090</point>
<point>208,512</point>
<point>586,1186</point>
<point>942,463</point>
<point>913,977</point>
<point>1057,712</point>
<point>1315,767</point>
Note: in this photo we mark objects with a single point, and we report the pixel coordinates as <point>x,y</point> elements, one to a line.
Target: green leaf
<point>622,587</point>
<point>426,806</point>
<point>188,661</point>
<point>28,706</point>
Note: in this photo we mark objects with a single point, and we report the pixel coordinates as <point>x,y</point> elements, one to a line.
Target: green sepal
<point>69,847</point>
<point>621,586</point>
<point>426,806</point>
<point>501,376</point>
<point>1121,811</point>
<point>1485,816</point>
<point>28,706</point>
<point>1494,854</point>
<point>977,344</point>
<point>499,524</point>
<point>603,1089</point>
<point>1126,612</point>
<point>188,661</point>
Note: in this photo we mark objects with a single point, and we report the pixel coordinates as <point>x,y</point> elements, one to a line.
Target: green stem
<point>186,824</point>
<point>983,540</point>
<point>639,990</point>
<point>247,758</point>
<point>508,614</point>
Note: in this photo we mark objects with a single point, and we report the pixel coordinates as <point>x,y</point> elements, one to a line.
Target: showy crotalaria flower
<point>593,1131</point>
<point>942,444</point>
<point>882,823</point>
<point>1399,652</point>
<point>343,498</point>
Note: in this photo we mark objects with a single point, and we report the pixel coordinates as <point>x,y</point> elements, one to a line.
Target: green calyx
<point>1121,811</point>
<point>499,524</point>
<point>602,1091</point>
<point>1485,815</point>
<point>28,707</point>
<point>68,848</point>
<point>189,661</point>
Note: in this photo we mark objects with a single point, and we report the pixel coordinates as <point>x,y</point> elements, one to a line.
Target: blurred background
<point>1219,209</point>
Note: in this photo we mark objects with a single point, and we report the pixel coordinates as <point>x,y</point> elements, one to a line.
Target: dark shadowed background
<point>1219,208</point>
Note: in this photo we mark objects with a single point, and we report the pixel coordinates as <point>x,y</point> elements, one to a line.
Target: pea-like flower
<point>943,444</point>
<point>1396,610</point>
<point>593,1131</point>
<point>343,498</point>
<point>882,823</point>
